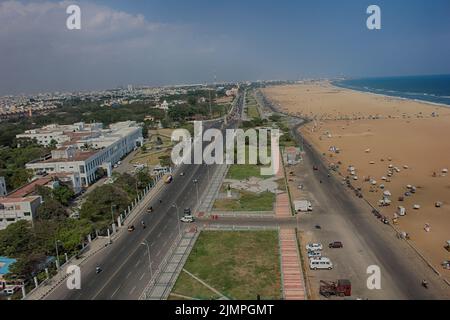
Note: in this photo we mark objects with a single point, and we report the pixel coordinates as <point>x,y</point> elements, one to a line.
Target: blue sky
<point>158,42</point>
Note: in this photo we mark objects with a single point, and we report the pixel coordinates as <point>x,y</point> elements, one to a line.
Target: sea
<point>433,89</point>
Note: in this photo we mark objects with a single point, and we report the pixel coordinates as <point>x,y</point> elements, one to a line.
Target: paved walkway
<point>93,248</point>
<point>282,206</point>
<point>207,201</point>
<point>291,269</point>
<point>161,285</point>
<point>292,274</point>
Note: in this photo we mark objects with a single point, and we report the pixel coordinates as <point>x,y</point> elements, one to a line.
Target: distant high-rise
<point>130,87</point>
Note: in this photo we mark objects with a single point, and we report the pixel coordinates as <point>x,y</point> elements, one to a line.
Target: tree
<point>53,144</point>
<point>51,210</point>
<point>97,207</point>
<point>16,239</point>
<point>143,178</point>
<point>63,194</point>
<point>165,161</point>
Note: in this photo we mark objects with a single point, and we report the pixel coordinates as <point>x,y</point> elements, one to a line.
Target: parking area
<point>325,225</point>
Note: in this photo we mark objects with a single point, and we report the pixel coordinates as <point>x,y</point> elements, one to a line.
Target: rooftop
<point>29,188</point>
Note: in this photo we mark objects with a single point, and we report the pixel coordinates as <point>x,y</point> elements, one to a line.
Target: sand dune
<point>379,132</point>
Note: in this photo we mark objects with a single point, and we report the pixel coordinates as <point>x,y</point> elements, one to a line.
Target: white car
<point>187,219</point>
<point>321,263</point>
<point>314,254</point>
<point>314,247</point>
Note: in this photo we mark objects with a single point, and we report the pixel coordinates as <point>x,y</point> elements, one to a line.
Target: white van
<point>320,264</point>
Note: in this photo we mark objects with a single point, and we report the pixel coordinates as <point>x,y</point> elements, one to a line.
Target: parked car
<point>335,245</point>
<point>321,263</point>
<point>314,247</point>
<point>314,254</point>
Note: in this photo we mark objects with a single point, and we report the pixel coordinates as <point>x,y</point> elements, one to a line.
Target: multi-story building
<point>83,155</point>
<point>61,133</point>
<point>14,209</point>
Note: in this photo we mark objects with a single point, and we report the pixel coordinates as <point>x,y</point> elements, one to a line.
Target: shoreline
<point>383,95</point>
<point>370,146</point>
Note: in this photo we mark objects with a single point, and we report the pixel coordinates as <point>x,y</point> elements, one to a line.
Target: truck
<point>168,179</point>
<point>341,288</point>
<point>303,206</point>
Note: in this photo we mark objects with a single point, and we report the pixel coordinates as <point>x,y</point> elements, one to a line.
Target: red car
<point>335,245</point>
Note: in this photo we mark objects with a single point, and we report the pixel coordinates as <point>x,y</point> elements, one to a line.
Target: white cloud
<point>113,47</point>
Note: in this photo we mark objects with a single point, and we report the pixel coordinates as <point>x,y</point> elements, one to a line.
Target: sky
<point>162,42</point>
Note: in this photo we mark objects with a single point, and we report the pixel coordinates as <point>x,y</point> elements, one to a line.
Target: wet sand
<point>372,133</point>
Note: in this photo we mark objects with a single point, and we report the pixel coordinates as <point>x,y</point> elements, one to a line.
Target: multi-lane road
<point>367,242</point>
<point>125,263</point>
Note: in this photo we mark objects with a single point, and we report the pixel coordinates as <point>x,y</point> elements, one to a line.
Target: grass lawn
<point>240,265</point>
<point>253,112</point>
<point>243,171</point>
<point>149,158</point>
<point>249,201</point>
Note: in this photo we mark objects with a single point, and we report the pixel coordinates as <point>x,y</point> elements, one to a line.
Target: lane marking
<point>161,218</point>
<point>115,292</point>
<point>128,275</point>
<point>132,290</point>
<point>142,277</point>
<point>137,263</point>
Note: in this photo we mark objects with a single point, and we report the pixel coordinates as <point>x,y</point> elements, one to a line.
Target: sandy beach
<point>390,142</point>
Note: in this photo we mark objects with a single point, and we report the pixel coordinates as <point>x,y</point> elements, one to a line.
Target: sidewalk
<point>292,274</point>
<point>92,249</point>
<point>164,279</point>
<point>207,201</point>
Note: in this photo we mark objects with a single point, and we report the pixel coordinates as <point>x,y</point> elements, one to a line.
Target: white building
<point>61,133</point>
<point>163,106</point>
<point>3,191</point>
<point>84,155</point>
<point>15,209</point>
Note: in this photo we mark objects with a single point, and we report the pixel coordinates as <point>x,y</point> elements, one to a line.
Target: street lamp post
<point>207,170</point>
<point>145,243</point>
<point>196,187</point>
<point>178,218</point>
<point>57,253</point>
<point>112,213</point>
